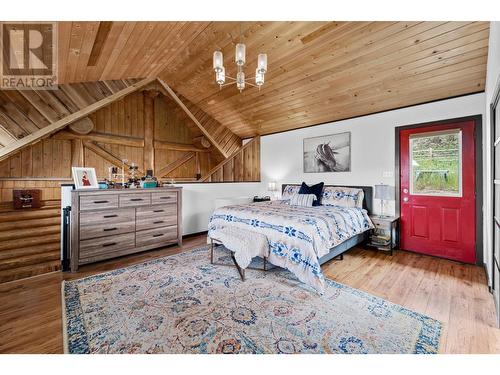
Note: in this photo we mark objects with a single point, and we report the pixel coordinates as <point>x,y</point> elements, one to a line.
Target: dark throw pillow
<point>314,189</point>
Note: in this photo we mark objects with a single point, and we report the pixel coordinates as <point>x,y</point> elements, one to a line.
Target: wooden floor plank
<point>454,293</point>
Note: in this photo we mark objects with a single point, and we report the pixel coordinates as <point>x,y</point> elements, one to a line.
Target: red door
<point>438,205</point>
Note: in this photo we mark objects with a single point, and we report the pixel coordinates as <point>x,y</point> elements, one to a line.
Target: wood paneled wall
<point>119,133</point>
<point>244,165</point>
<point>143,127</point>
<point>51,190</point>
<point>47,158</point>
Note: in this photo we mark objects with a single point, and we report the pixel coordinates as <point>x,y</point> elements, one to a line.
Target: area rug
<point>183,304</point>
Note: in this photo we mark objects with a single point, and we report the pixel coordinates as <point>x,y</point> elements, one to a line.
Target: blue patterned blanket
<point>297,236</point>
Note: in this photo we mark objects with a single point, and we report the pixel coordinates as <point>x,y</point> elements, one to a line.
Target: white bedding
<point>297,236</point>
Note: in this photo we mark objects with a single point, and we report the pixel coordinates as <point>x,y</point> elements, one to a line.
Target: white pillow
<point>290,190</point>
<point>305,200</point>
<point>342,196</point>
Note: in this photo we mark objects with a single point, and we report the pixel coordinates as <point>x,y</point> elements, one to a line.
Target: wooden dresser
<point>110,223</point>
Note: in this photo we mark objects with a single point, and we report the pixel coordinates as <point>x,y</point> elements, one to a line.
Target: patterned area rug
<point>183,304</point>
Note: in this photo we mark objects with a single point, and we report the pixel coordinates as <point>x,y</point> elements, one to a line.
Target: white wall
<point>198,201</point>
<point>492,77</point>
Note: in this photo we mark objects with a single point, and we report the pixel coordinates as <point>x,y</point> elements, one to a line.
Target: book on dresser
<point>110,223</point>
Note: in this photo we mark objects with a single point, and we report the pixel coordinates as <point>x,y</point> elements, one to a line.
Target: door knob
<point>405,191</point>
<point>405,199</point>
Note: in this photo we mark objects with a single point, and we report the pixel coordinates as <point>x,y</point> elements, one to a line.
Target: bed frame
<point>339,250</point>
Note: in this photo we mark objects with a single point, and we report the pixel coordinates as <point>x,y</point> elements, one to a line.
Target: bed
<point>300,238</point>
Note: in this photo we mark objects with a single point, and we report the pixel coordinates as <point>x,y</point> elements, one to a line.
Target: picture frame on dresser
<point>84,178</point>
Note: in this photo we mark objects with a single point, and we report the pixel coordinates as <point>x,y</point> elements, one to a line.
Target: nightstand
<point>385,235</point>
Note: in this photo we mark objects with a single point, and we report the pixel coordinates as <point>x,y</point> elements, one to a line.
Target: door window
<point>436,163</point>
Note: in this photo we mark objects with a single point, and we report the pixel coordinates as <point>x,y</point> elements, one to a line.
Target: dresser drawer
<point>99,246</point>
<point>381,224</point>
<point>154,222</point>
<point>97,202</point>
<point>106,217</point>
<point>134,200</point>
<point>107,229</point>
<point>156,216</point>
<point>156,236</point>
<point>163,197</point>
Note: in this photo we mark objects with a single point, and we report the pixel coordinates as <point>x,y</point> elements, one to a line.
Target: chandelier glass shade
<point>240,59</point>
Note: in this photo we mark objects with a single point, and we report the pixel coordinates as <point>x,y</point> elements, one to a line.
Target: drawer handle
<point>165,197</point>
<point>136,199</point>
<point>109,229</point>
<point>108,216</point>
<point>158,222</point>
<point>158,210</point>
<point>108,244</point>
<point>100,202</point>
<point>158,235</point>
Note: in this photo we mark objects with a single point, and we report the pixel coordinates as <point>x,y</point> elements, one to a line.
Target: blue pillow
<point>314,189</point>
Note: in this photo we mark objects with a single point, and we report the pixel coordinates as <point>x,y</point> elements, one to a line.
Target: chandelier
<point>239,59</point>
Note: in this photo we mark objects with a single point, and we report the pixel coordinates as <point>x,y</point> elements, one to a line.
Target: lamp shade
<point>217,61</point>
<point>239,57</point>
<point>262,63</point>
<point>385,192</point>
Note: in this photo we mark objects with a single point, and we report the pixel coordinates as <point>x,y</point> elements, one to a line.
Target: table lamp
<point>384,193</point>
<point>273,188</point>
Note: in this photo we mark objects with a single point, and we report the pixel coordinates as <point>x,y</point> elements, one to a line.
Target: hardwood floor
<point>454,293</point>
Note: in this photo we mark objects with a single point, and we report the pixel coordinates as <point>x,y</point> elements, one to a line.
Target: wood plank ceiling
<point>25,112</point>
<point>318,71</point>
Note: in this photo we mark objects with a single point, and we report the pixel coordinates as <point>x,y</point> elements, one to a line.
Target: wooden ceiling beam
<point>18,117</point>
<point>102,138</point>
<point>40,105</point>
<point>11,126</point>
<point>25,107</point>
<point>100,40</point>
<point>58,125</point>
<point>163,145</point>
<point>6,138</point>
<point>106,155</point>
<point>195,120</point>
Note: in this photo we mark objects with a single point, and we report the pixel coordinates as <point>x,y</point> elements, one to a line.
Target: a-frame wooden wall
<point>144,122</point>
